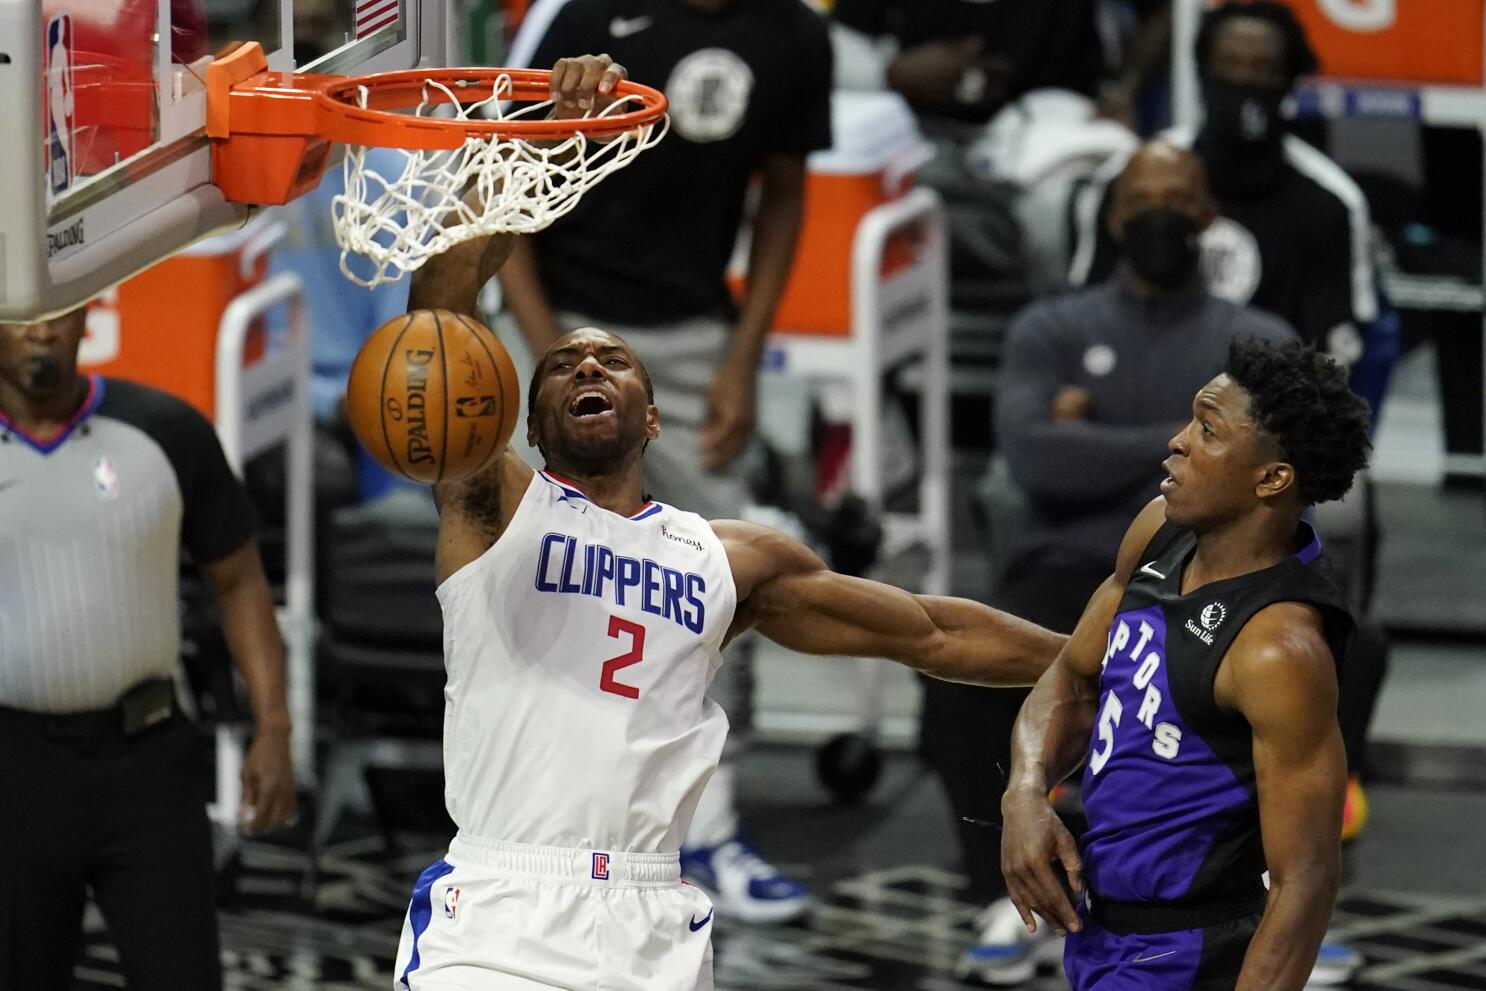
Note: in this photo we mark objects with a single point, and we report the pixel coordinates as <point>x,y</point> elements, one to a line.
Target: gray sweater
<point>1141,360</point>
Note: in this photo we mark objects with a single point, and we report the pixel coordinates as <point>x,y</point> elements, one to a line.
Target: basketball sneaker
<point>1336,964</point>
<point>1005,954</point>
<point>742,884</point>
<point>1354,812</point>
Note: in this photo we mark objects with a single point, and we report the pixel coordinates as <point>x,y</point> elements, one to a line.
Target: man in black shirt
<point>1293,235</point>
<point>645,255</point>
<point>101,482</point>
<point>964,60</point>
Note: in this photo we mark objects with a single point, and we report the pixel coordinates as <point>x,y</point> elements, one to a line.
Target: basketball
<point>432,395</point>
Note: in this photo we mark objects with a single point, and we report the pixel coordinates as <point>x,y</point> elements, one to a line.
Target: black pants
<point>85,808</point>
<point>965,731</point>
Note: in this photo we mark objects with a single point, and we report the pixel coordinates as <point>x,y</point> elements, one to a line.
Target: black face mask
<point>1161,244</point>
<point>1242,120</point>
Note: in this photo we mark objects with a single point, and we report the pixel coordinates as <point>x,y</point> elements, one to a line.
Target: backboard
<point>106,102</point>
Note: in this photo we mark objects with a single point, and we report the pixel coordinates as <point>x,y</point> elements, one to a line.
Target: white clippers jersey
<point>579,649</point>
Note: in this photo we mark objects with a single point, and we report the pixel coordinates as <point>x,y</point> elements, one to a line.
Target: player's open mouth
<point>1169,482</point>
<point>590,405</point>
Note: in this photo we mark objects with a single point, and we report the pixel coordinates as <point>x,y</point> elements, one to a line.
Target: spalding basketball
<point>432,395</point>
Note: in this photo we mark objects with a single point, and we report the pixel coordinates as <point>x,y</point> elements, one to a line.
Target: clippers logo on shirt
<point>569,566</point>
<point>601,867</point>
<point>1231,263</point>
<point>708,92</point>
<point>105,479</point>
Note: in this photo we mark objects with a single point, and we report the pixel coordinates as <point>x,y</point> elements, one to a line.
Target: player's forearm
<point>984,646</point>
<point>525,298</point>
<point>1051,733</point>
<point>1284,949</point>
<point>776,230</point>
<point>453,279</point>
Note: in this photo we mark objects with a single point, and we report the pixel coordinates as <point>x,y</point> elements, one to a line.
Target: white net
<point>396,222</point>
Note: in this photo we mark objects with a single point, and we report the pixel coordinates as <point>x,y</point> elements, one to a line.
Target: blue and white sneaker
<point>1336,964</point>
<point>742,884</point>
<point>1005,954</point>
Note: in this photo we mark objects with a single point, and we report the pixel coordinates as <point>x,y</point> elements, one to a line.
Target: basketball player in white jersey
<point>582,626</point>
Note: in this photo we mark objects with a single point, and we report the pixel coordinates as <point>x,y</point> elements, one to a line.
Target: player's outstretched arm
<point>789,595</point>
<point>1049,741</point>
<point>1281,676</point>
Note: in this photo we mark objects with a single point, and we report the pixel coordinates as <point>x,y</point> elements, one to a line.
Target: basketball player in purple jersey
<point>1199,690</point>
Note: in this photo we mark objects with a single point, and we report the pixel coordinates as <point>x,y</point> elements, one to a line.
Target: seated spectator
<point>1093,386</point>
<point>1294,232</point>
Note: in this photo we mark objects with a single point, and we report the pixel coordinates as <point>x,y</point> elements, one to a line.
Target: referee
<point>100,482</point>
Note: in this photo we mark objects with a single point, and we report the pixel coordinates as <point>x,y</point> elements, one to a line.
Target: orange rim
<point>376,123</point>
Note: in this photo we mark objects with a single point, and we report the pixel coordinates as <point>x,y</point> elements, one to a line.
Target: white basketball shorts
<point>497,916</point>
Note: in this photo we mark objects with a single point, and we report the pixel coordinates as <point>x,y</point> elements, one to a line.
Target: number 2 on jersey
<point>634,655</point>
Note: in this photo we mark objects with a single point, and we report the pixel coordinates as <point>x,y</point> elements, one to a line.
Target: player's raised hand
<point>584,85</point>
<point>1035,848</point>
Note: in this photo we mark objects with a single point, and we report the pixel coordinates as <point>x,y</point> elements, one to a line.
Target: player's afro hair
<point>1300,57</point>
<point>1300,397</point>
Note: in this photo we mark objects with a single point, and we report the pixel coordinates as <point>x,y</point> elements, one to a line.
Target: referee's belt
<point>145,705</point>
<point>1125,918</point>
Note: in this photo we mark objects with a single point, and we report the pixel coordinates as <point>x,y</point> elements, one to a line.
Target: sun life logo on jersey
<point>708,92</point>
<point>1212,617</point>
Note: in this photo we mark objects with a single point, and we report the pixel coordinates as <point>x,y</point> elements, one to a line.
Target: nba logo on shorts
<point>601,866</point>
<point>451,901</point>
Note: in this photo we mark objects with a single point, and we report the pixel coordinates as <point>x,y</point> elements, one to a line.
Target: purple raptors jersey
<point>1169,786</point>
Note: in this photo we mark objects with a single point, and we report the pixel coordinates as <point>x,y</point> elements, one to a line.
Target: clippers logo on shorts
<point>601,867</point>
<point>105,479</point>
<point>451,902</point>
<point>708,92</point>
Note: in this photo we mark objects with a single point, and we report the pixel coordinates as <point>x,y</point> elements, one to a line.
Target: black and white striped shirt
<point>91,526</point>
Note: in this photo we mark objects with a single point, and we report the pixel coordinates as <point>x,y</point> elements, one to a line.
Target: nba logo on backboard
<point>451,902</point>
<point>59,103</point>
<point>601,866</point>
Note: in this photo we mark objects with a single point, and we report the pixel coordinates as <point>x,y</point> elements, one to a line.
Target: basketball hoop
<point>482,157</point>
